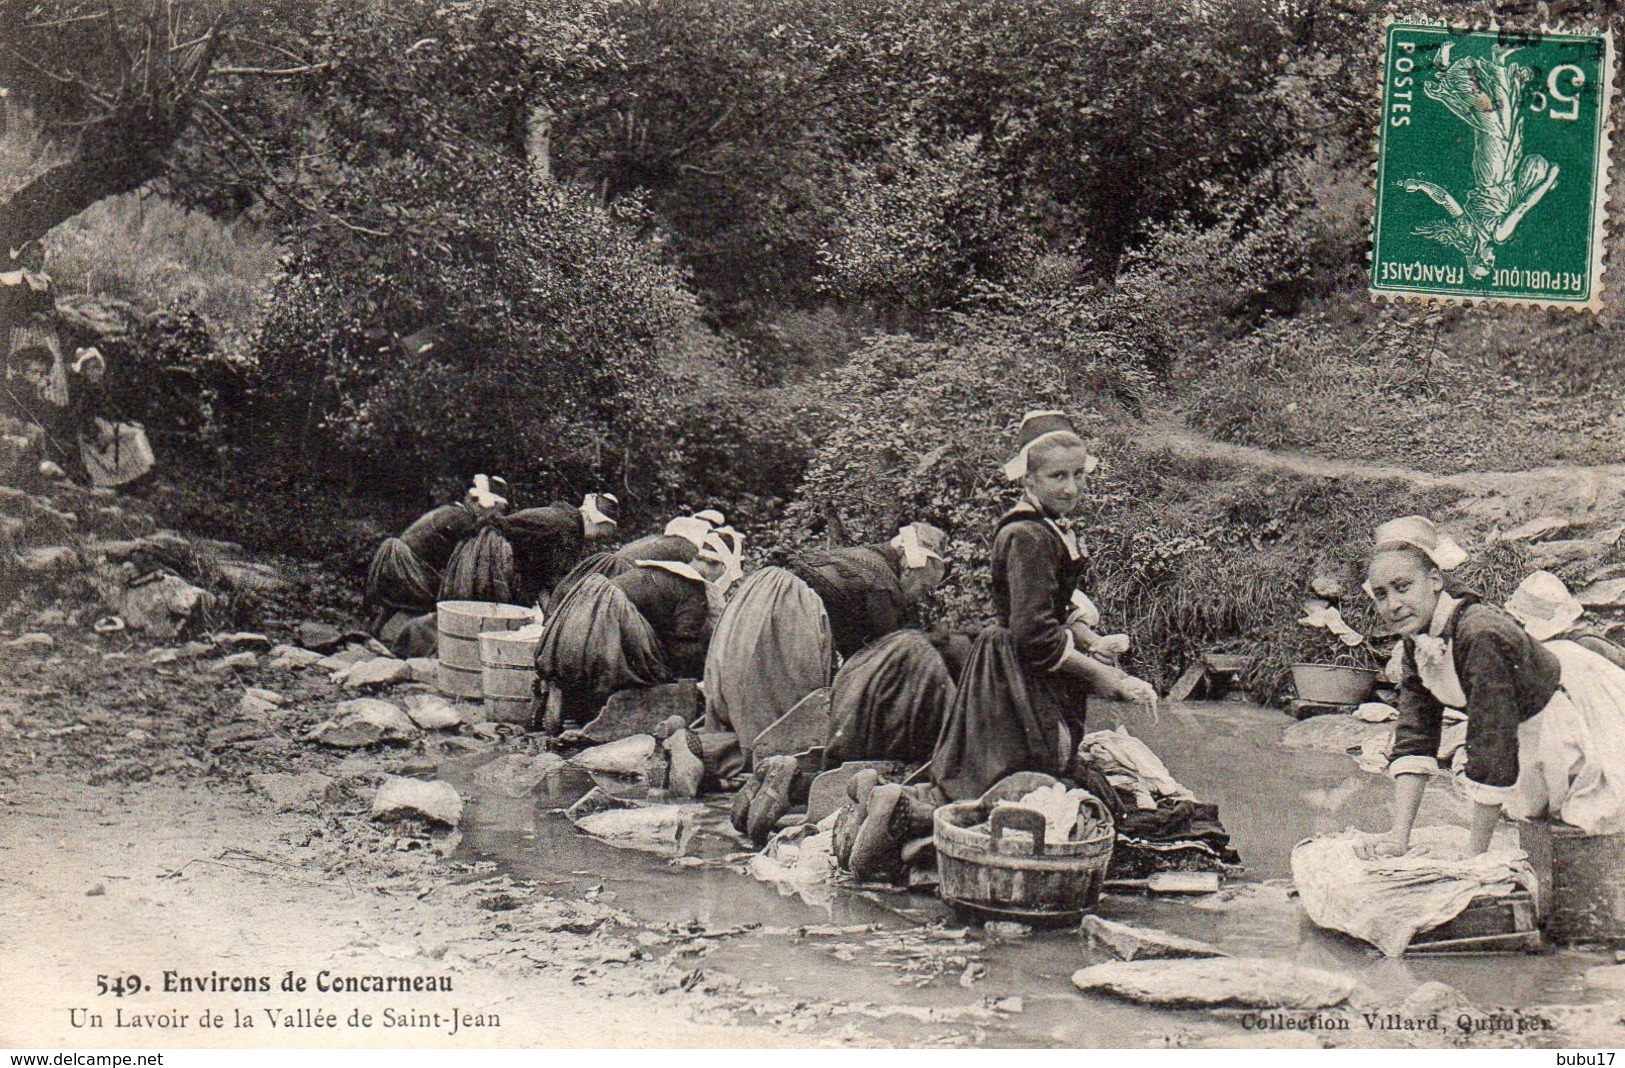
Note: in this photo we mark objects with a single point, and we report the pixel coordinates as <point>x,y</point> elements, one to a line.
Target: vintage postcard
<point>785,524</point>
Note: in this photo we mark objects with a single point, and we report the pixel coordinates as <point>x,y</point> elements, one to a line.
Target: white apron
<point>1571,754</point>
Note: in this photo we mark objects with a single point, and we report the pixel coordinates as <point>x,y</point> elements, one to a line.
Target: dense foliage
<point>806,260</point>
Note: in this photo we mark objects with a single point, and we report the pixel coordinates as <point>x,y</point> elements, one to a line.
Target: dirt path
<point>163,878</point>
<point>1582,494</point>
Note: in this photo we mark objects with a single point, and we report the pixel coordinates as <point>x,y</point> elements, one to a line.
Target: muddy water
<point>1269,797</point>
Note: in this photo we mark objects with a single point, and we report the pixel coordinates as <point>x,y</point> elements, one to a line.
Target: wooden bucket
<point>460,624</point>
<point>1041,883</point>
<point>1580,880</point>
<point>508,673</point>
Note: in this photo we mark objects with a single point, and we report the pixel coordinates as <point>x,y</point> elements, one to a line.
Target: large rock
<point>663,829</point>
<point>1551,555</point>
<point>828,790</point>
<point>242,640</point>
<point>251,705</point>
<point>431,711</point>
<point>291,792</point>
<point>363,722</point>
<point>322,637</point>
<point>1609,593</point>
<point>516,774</point>
<point>423,669</point>
<point>1123,942</point>
<point>641,710</point>
<point>1534,530</point>
<point>48,558</point>
<point>162,606</point>
<point>806,725</point>
<point>346,658</point>
<point>291,656</point>
<point>629,756</point>
<point>1238,982</point>
<point>399,798</point>
<point>242,575</point>
<point>375,674</point>
<point>235,662</point>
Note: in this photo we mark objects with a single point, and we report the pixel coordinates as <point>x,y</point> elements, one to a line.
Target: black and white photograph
<point>811,525</point>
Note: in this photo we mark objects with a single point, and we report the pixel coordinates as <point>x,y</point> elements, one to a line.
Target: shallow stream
<point>1270,797</point>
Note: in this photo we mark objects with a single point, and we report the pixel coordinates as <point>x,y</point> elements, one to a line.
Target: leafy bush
<point>917,430</point>
<point>922,227</point>
<point>743,450</point>
<point>1266,247</point>
<point>552,312</point>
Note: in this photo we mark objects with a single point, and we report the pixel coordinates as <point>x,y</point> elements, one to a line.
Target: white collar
<point>1441,614</point>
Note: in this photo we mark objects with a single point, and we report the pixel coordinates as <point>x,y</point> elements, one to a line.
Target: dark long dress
<point>889,702</point>
<point>515,559</point>
<point>1012,699</point>
<point>622,560</point>
<point>403,579</point>
<point>677,610</point>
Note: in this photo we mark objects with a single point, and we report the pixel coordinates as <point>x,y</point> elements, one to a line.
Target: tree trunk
<point>69,188</point>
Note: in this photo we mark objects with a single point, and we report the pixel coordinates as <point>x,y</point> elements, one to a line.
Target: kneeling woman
<point>1545,721</point>
<point>680,541</point>
<point>1020,702</point>
<point>782,632</point>
<point>647,626</point>
<point>1019,705</point>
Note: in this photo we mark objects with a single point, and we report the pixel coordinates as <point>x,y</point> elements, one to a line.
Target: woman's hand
<point>1135,690</point>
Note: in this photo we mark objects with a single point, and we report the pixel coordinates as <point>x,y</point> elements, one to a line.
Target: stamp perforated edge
<point>1600,193</point>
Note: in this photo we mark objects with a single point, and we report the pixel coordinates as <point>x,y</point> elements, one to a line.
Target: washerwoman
<point>1020,700</point>
<point>647,626</point>
<point>1545,720</point>
<point>680,541</point>
<point>782,634</point>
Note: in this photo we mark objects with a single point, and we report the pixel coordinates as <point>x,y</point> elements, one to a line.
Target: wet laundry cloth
<point>800,862</point>
<point>771,647</point>
<point>1059,807</point>
<point>888,702</point>
<point>1130,765</point>
<point>1376,712</point>
<point>1387,901</point>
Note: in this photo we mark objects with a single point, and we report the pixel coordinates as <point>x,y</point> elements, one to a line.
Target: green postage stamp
<point>1492,166</point>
